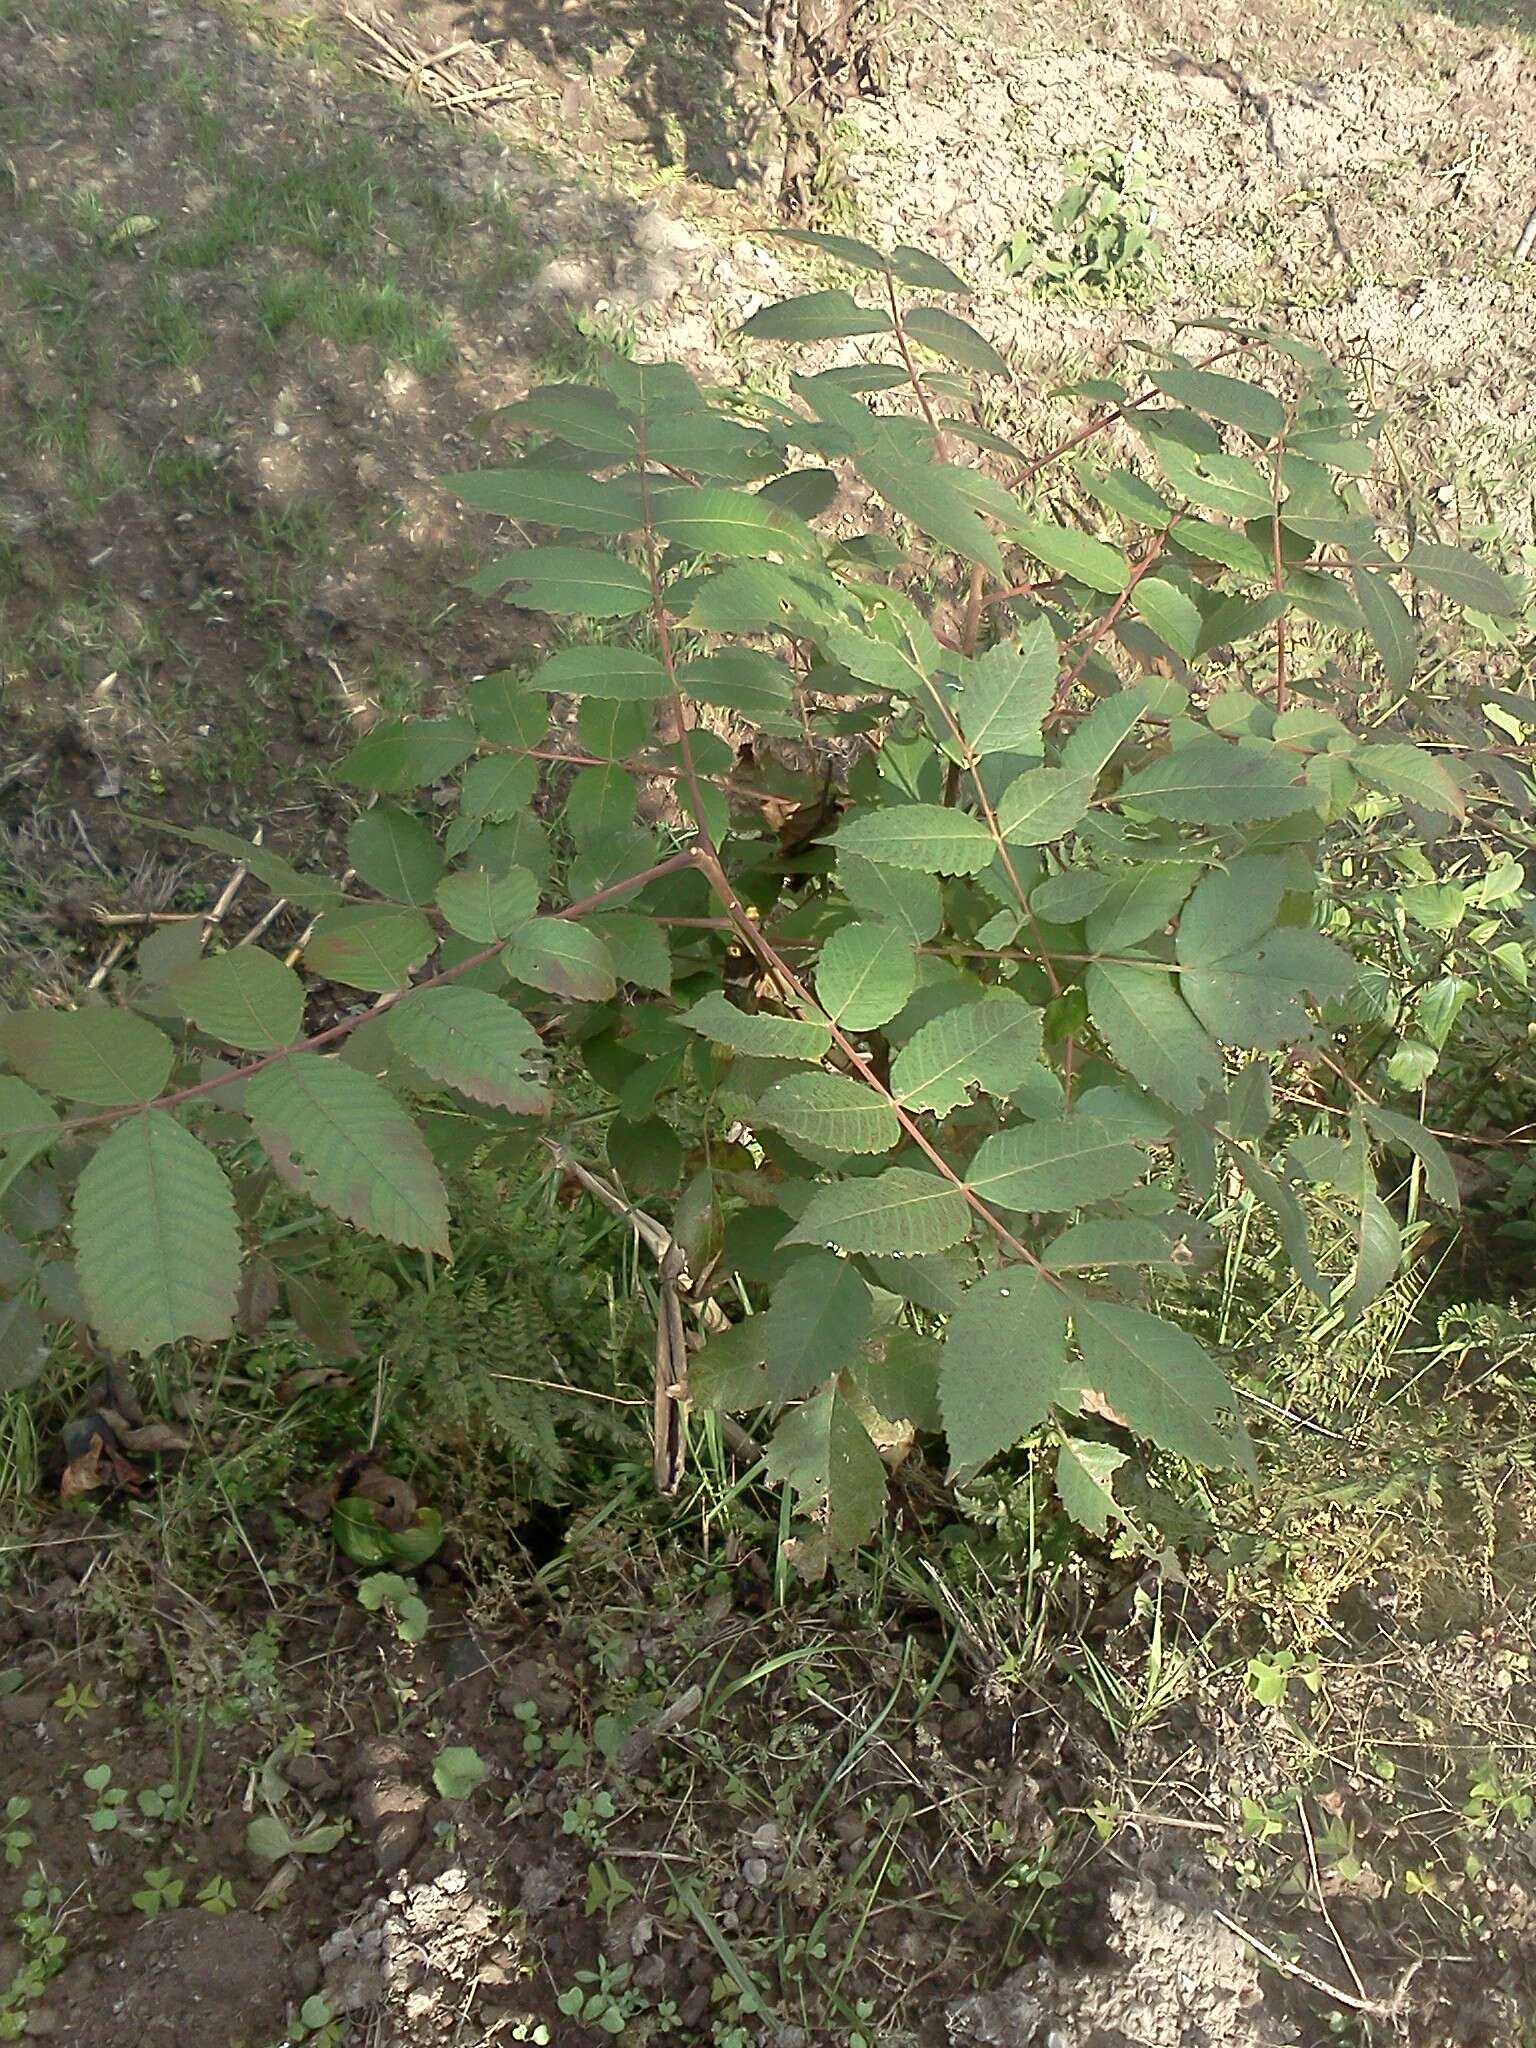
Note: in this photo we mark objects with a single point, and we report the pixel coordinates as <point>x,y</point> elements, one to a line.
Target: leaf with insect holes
<point>1085,1482</point>
<point>394,852</point>
<point>1004,1354</point>
<point>832,1111</point>
<point>371,946</point>
<point>586,583</point>
<point>550,495</point>
<point>1147,1025</point>
<point>931,838</point>
<point>865,974</point>
<point>954,339</point>
<point>1211,782</point>
<point>157,1248</point>
<point>1007,692</point>
<point>899,1210</point>
<point>486,907</point>
<point>817,1318</point>
<point>1413,774</point>
<point>816,316</point>
<point>1102,1243</point>
<point>1154,1375</point>
<point>245,997</point>
<point>474,1042</point>
<point>341,1136</point>
<point>1465,578</point>
<point>406,754</point>
<point>564,958</point>
<point>1056,1165</point>
<point>95,1055</point>
<point>823,1451</point>
<point>992,1045</point>
<point>755,1033</point>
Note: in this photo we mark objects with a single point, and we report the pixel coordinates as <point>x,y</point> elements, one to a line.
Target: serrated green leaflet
<point>817,1319</point>
<point>1211,782</point>
<point>1439,1173</point>
<point>637,947</point>
<point>498,786</point>
<point>509,710</point>
<point>341,1135</point>
<point>956,340</point>
<point>23,1345</point>
<point>923,492</point>
<point>927,837</point>
<point>1255,996</point>
<point>1053,1166</point>
<point>474,1042</point>
<point>156,1245</point>
<point>1159,1380</point>
<point>865,975</point>
<point>901,1378</point>
<point>714,521</point>
<point>371,946</point>
<point>832,1111</point>
<point>394,852</point>
<point>623,673</point>
<point>552,496</point>
<point>992,1045</point>
<point>1085,1474</point>
<point>408,754</point>
<point>816,316</point>
<point>1173,616</point>
<point>755,1033</point>
<point>1147,1025</point>
<point>1004,1355</point>
<point>486,907</point>
<point>1463,577</point>
<point>245,997</point>
<point>1073,554</point>
<point>1390,625</point>
<point>1416,776</point>
<point>823,1451</point>
<point>899,1210</point>
<point>1139,905</point>
<point>1007,692</point>
<point>1231,910</point>
<point>912,902</point>
<point>874,661</point>
<point>564,958</point>
<point>587,583</point>
<point>1042,805</point>
<point>27,1128</point>
<point>1103,1242</point>
<point>96,1055</point>
<point>1229,399</point>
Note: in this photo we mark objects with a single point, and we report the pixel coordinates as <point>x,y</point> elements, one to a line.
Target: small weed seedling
<point>76,1701</point>
<point>459,1772</point>
<point>107,1814</point>
<point>1269,1678</point>
<point>406,1607</point>
<point>217,1896</point>
<point>586,1818</point>
<point>159,1892</point>
<point>318,2024</point>
<point>1099,242</point>
<point>602,1998</point>
<point>270,1838</point>
<point>15,1840</point>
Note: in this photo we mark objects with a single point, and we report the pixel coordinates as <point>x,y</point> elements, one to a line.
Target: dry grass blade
<point>459,76</point>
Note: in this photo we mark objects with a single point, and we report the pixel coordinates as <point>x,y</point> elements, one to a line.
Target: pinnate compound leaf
<point>1411,773</point>
<point>157,1248</point>
<point>832,1111</point>
<point>816,316</point>
<point>488,907</point>
<point>474,1042</point>
<point>370,946</point>
<point>1052,1166</point>
<point>931,838</point>
<point>865,974</point>
<point>406,754</point>
<point>1149,1028</point>
<point>899,1210</point>
<point>1211,782</point>
<point>95,1055</point>
<point>992,1045</point>
<point>823,1451</point>
<point>395,853</point>
<point>817,1318</point>
<point>754,1032</point>
<point>23,1344</point>
<point>1004,1355</point>
<point>564,958</point>
<point>340,1135</point>
<point>245,997</point>
<point>1159,1380</point>
<point>1007,693</point>
<point>1085,1482</point>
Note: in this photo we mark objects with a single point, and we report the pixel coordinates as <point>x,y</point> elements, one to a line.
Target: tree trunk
<point>820,56</point>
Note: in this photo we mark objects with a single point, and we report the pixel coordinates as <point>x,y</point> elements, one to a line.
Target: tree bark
<point>820,56</point>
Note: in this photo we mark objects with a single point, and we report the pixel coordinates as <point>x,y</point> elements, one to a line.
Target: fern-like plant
<point>990,1008</point>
